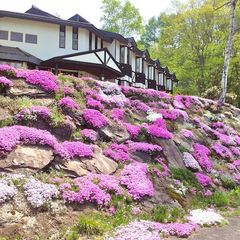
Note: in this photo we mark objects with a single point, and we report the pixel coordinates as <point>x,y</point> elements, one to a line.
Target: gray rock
<point>26,159</point>
<point>21,88</point>
<point>114,133</point>
<point>171,152</point>
<point>79,167</point>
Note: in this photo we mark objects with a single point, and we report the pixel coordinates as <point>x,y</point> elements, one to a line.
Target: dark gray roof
<point>52,19</point>
<point>36,11</point>
<point>16,54</point>
<point>78,18</point>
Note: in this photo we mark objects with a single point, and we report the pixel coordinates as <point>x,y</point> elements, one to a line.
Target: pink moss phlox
<point>134,177</point>
<point>170,114</point>
<point>78,149</point>
<point>94,188</point>
<point>144,147</point>
<point>149,93</point>
<point>44,79</point>
<point>217,125</point>
<point>201,155</point>
<point>117,152</point>
<point>225,139</point>
<point>5,82</point>
<point>178,102</point>
<point>69,103</point>
<point>187,133</point>
<point>158,129</point>
<point>203,180</point>
<point>221,150</point>
<point>165,172</point>
<point>94,104</point>
<point>138,105</point>
<point>10,137</point>
<point>237,140</point>
<point>235,151</point>
<point>117,114</point>
<point>133,130</point>
<point>41,111</point>
<point>92,93</point>
<point>89,134</point>
<point>94,118</point>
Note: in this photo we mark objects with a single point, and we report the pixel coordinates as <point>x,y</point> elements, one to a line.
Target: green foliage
<point>219,199</point>
<point>186,176</point>
<point>6,122</point>
<point>227,182</point>
<point>151,31</point>
<point>92,224</point>
<point>121,17</point>
<point>57,117</point>
<point>162,213</point>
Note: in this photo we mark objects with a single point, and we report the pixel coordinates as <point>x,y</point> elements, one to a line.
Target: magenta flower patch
<point>94,118</point>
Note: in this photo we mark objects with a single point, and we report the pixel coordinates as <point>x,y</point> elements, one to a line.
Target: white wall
<point>48,37</point>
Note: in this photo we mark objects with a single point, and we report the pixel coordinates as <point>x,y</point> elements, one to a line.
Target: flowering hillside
<point>111,161</point>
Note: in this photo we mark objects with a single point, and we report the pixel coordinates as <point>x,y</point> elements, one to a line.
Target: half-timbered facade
<point>37,39</point>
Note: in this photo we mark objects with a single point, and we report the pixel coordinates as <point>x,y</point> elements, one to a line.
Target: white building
<point>37,39</point>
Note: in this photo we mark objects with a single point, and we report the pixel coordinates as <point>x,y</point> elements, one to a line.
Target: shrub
<point>227,182</point>
<point>219,199</point>
<point>91,224</point>
<point>185,176</point>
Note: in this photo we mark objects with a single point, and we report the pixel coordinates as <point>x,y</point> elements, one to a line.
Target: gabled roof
<point>17,54</point>
<point>37,11</point>
<point>78,18</point>
<point>116,36</point>
<point>55,20</point>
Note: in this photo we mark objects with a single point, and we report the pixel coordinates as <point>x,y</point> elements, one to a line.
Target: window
<point>122,54</point>
<point>169,84</point>
<point>149,72</point>
<point>137,68</point>
<point>96,42</point>
<point>101,43</point>
<point>90,41</point>
<point>30,38</point>
<point>161,82</point>
<point>62,36</point>
<point>128,56</point>
<point>75,38</point>
<point>3,35</point>
<point>16,36</point>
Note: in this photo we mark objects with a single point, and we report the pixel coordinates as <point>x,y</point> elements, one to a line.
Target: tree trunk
<point>227,54</point>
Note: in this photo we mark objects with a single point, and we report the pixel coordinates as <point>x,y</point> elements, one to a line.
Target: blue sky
<point>89,9</point>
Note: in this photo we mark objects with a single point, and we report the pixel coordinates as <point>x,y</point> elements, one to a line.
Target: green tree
<point>121,17</point>
<point>151,31</point>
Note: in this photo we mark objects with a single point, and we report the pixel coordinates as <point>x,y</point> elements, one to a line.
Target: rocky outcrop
<point>114,133</point>
<point>21,88</point>
<point>98,164</point>
<point>170,151</point>
<point>26,159</point>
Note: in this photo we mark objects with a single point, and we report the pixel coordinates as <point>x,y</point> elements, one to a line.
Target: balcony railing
<point>161,88</point>
<point>140,77</point>
<point>126,69</point>
<point>152,84</point>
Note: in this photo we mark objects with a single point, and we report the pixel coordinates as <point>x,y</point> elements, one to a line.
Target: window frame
<point>19,34</point>
<point>62,37</point>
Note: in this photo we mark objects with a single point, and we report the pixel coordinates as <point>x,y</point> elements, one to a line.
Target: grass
<point>218,199</point>
<point>166,214</point>
<point>186,176</point>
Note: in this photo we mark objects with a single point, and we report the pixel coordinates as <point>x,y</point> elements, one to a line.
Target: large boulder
<point>21,88</point>
<point>101,163</point>
<point>27,159</point>
<point>114,133</point>
<point>79,167</point>
<point>171,152</point>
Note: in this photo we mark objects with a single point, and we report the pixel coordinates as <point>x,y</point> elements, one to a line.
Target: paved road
<point>227,232</point>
